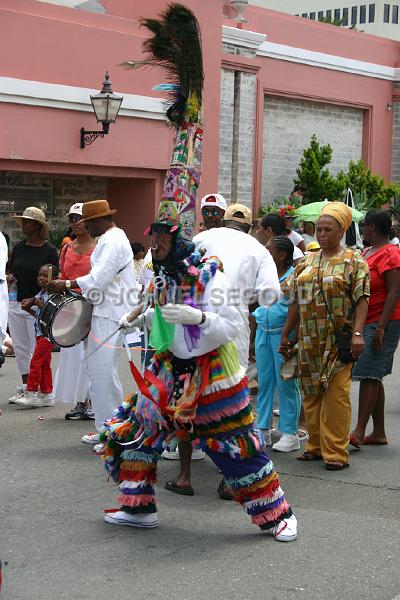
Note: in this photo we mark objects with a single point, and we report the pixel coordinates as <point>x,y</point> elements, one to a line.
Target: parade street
<point>55,545</point>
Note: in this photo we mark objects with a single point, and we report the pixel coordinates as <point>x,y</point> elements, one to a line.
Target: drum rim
<point>72,296</point>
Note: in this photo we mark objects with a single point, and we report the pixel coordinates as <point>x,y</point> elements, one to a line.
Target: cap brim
<point>108,213</point>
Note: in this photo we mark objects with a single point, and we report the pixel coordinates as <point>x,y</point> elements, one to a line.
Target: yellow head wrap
<point>339,211</point>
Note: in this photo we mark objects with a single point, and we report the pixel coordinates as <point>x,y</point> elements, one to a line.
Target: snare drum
<point>65,319</point>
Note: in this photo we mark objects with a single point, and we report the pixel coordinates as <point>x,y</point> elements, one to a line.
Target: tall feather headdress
<point>175,46</point>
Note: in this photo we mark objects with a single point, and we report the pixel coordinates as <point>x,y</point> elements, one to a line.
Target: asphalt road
<point>53,537</point>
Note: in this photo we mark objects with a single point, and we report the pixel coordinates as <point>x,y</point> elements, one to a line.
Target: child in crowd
<point>270,321</point>
<point>39,387</point>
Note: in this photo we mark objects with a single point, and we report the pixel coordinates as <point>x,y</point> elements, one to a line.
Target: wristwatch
<point>358,333</point>
<point>67,284</point>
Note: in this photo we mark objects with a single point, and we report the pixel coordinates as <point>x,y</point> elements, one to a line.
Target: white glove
<point>127,326</point>
<point>182,313</point>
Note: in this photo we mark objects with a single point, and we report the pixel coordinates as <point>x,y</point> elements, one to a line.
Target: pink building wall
<point>74,47</point>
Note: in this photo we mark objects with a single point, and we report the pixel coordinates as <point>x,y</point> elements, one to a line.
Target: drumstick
<point>49,274</point>
<point>135,313</point>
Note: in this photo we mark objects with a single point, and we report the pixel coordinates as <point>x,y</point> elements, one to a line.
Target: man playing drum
<point>111,286</point>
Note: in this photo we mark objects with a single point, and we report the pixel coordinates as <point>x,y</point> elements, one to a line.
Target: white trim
<point>54,95</point>
<point>242,37</point>
<point>257,41</point>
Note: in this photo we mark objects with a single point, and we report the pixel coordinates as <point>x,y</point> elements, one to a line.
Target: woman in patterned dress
<point>330,291</point>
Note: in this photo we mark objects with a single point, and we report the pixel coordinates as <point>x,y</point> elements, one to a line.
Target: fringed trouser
<point>223,426</point>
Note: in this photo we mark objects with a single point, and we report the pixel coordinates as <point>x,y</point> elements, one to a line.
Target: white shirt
<point>297,253</point>
<point>295,237</point>
<point>111,283</point>
<point>250,270</point>
<point>3,257</point>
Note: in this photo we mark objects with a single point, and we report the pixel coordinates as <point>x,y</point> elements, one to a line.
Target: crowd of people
<point>313,314</point>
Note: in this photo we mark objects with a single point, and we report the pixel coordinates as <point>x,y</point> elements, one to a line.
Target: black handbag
<point>343,336</point>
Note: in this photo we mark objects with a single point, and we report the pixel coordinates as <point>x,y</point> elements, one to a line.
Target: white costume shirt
<point>249,268</point>
<point>221,324</point>
<point>3,288</point>
<point>147,271</point>
<point>111,283</point>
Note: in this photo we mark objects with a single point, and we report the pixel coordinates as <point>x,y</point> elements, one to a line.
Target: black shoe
<point>77,412</point>
<point>2,358</point>
<point>224,492</point>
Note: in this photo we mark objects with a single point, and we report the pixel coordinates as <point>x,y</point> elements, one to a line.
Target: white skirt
<point>71,384</point>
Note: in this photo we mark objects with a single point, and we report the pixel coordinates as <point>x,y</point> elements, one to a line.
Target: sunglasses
<point>210,212</point>
<point>74,218</point>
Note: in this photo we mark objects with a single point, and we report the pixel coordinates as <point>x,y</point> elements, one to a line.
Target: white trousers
<point>71,383</point>
<point>3,311</point>
<point>102,368</point>
<point>22,331</point>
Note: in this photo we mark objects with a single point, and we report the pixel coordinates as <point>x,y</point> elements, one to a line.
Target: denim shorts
<point>373,364</point>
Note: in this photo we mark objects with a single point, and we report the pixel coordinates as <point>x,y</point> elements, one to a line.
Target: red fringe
<point>129,475</point>
<point>269,516</point>
<point>266,491</point>
<point>142,500</point>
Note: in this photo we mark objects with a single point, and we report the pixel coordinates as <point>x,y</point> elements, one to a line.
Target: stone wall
<point>67,190</point>
<point>288,127</point>
<point>396,143</point>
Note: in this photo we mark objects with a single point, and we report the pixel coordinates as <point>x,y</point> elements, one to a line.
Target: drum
<point>65,319</point>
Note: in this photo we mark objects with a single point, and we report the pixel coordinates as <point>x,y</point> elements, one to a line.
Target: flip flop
<point>356,443</point>
<point>172,486</point>
<point>370,442</point>
<point>306,456</point>
<point>336,466</point>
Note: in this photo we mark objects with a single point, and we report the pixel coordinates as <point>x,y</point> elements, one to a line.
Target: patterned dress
<point>344,279</point>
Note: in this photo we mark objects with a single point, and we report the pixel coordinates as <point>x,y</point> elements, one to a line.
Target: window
<point>328,15</point>
<point>336,14</point>
<point>371,13</point>
<point>345,17</point>
<point>395,14</point>
<point>363,13</point>
<point>312,16</point>
<point>320,15</point>
<point>354,15</point>
<point>304,15</point>
<point>386,13</point>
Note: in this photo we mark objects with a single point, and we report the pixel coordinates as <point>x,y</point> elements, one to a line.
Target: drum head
<point>72,323</point>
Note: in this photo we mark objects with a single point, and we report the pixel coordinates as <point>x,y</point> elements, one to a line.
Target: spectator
<point>271,225</point>
<point>382,329</point>
<point>330,289</point>
<point>26,259</point>
<point>270,321</point>
<point>138,257</point>
<point>308,234</point>
<point>39,388</point>
<point>71,382</point>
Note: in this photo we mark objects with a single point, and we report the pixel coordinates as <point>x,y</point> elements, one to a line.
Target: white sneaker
<point>19,394</point>
<point>287,443</point>
<point>47,399</point>
<point>145,520</point>
<point>91,438</point>
<point>34,400</point>
<point>99,448</point>
<point>286,530</point>
<point>197,454</point>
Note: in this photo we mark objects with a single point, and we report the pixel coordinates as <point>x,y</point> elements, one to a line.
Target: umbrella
<point>311,212</point>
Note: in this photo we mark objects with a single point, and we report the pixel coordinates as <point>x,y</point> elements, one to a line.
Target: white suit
<point>250,270</point>
<point>3,289</point>
<point>111,285</point>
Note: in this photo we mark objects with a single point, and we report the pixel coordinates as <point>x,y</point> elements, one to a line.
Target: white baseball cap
<point>76,209</point>
<point>216,200</point>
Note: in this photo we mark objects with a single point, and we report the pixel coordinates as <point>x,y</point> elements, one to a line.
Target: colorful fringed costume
<point>194,388</point>
<point>201,397</point>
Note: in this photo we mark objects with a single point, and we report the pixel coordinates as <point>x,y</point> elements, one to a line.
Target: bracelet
<point>358,333</point>
<point>203,319</point>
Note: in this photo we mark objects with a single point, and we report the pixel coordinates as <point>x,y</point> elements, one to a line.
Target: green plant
<point>370,189</point>
<point>313,178</point>
<point>57,235</point>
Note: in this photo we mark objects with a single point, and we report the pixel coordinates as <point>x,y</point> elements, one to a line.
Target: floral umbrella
<point>311,212</point>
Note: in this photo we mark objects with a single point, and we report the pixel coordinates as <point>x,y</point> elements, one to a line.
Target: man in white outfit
<point>111,286</point>
<point>252,277</point>
<point>3,296</point>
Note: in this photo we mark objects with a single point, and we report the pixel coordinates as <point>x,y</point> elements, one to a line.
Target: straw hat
<point>35,214</point>
<point>96,209</point>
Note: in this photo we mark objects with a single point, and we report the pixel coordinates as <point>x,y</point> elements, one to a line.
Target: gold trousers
<point>328,418</point>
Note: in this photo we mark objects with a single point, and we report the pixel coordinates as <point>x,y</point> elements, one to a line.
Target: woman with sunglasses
<point>71,382</point>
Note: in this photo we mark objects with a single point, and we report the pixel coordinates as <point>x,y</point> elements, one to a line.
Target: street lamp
<point>106,106</point>
<point>240,7</point>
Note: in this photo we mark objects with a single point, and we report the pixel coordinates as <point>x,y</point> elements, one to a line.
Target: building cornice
<point>66,97</point>
<point>264,48</point>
